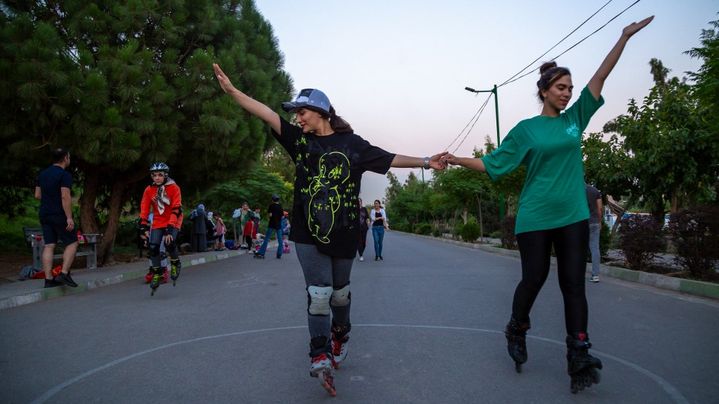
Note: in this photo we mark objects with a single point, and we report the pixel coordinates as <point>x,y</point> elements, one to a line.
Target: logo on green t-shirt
<point>573,130</point>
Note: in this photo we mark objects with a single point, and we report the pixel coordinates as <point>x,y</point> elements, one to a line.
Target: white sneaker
<point>361,258</point>
<point>594,279</point>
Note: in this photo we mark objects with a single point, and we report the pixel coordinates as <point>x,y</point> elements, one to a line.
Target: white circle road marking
<point>672,391</point>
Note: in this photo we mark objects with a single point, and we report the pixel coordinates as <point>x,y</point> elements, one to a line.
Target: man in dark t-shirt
<point>53,190</point>
<point>274,225</point>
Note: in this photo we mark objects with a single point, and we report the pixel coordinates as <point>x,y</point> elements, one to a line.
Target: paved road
<point>427,329</point>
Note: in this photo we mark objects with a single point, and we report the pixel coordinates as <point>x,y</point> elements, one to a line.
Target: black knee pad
<point>154,250</point>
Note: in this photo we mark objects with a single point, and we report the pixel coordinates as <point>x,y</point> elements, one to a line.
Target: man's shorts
<point>53,230</point>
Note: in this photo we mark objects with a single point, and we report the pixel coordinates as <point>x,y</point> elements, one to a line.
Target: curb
<point>51,293</point>
<point>688,286</point>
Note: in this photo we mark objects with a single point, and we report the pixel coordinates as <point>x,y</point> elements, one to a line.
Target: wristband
<point>426,163</point>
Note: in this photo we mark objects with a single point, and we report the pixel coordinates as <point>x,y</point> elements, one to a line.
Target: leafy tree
<point>256,188</point>
<point>706,89</point>
<point>125,83</point>
<point>673,154</point>
<point>276,160</point>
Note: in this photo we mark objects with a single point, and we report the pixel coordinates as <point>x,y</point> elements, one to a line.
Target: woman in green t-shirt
<point>552,206</point>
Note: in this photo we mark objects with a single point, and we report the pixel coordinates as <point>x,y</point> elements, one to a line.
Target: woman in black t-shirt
<point>329,161</point>
<point>364,227</point>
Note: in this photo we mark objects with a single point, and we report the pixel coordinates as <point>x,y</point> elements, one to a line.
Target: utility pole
<point>496,117</point>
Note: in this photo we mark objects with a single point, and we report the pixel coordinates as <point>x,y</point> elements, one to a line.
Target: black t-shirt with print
<point>328,174</point>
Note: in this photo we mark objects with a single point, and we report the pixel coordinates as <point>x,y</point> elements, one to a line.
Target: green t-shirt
<point>551,149</point>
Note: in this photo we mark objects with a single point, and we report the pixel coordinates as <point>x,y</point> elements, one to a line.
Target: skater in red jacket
<point>163,199</point>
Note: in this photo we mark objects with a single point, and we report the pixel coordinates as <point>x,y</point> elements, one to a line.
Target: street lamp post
<point>496,117</point>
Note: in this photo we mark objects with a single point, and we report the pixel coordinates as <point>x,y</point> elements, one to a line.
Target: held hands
<point>635,27</point>
<point>437,161</point>
<point>450,159</point>
<point>224,81</point>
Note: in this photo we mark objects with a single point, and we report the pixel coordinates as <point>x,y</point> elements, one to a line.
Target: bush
<point>640,238</point>
<point>436,232</point>
<point>470,231</point>
<point>508,238</point>
<point>127,233</point>
<point>423,228</point>
<point>401,226</point>
<point>605,239</point>
<point>695,234</point>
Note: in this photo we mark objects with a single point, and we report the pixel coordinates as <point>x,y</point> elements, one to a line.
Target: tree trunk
<point>675,202</point>
<point>88,216</point>
<point>465,213</point>
<point>118,197</point>
<point>616,209</point>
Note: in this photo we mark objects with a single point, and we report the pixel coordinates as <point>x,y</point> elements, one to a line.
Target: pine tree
<point>125,83</point>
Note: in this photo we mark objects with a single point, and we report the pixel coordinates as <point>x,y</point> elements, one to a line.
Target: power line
<point>573,46</point>
<point>555,45</point>
<point>514,78</point>
<point>479,111</point>
<point>477,115</point>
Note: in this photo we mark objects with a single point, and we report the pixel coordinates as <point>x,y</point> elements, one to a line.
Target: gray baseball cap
<point>309,98</point>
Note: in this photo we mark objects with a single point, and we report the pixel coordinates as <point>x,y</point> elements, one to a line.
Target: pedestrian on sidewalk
<point>163,199</point>
<point>198,217</point>
<point>53,189</point>
<point>220,231</point>
<point>594,201</point>
<point>364,227</point>
<point>379,224</point>
<point>274,225</point>
<point>553,205</point>
<point>246,226</point>
<point>329,161</point>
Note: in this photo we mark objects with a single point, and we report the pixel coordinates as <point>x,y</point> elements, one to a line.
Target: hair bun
<point>546,66</point>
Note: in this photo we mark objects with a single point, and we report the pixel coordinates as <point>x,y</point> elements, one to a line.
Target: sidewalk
<point>30,291</point>
<point>688,286</point>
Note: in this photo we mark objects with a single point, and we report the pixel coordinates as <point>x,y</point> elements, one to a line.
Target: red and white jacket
<point>165,203</point>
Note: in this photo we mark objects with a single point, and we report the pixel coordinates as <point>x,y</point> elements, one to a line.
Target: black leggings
<point>570,246</point>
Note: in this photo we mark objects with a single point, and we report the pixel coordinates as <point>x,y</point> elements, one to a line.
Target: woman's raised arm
<point>251,105</point>
<point>596,83</point>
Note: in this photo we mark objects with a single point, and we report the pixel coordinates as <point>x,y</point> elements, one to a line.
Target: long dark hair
<point>337,123</point>
<point>549,73</point>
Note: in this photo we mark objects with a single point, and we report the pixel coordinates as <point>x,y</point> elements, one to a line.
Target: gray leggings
<point>323,271</point>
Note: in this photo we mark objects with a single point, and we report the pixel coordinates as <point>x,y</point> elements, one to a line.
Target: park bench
<point>88,248</point>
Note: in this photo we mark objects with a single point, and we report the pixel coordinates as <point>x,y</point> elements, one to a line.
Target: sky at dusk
<point>396,70</point>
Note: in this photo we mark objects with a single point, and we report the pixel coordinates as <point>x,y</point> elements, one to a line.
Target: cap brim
<point>294,106</point>
<point>290,106</point>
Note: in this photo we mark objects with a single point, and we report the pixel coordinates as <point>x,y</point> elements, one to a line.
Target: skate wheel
<point>328,383</point>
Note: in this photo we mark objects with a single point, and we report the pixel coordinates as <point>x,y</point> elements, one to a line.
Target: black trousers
<point>362,241</point>
<point>570,246</point>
